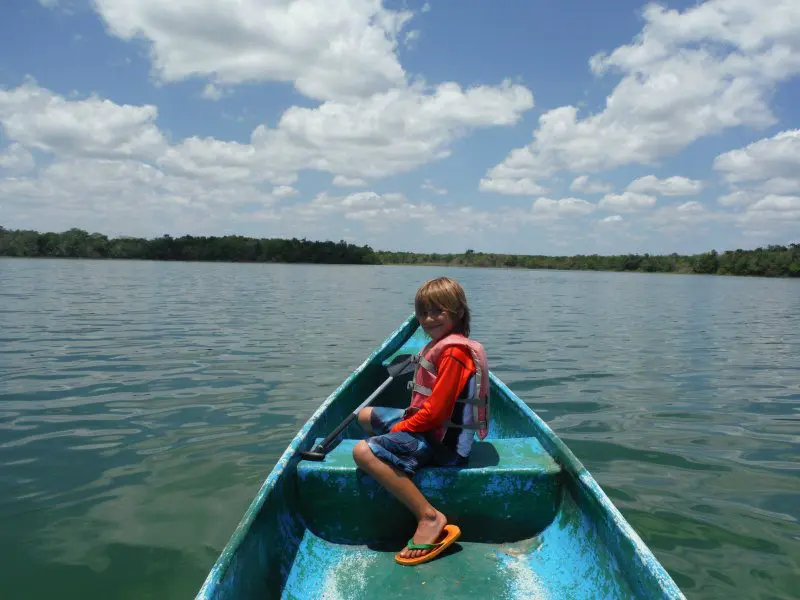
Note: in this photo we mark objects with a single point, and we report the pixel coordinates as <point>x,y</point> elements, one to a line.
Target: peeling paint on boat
<point>583,547</point>
<point>312,575</point>
<point>522,581</point>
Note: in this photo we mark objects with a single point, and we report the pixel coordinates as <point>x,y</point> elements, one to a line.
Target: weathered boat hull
<point>534,522</point>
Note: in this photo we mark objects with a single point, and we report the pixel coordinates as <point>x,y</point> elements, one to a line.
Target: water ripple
<point>142,405</point>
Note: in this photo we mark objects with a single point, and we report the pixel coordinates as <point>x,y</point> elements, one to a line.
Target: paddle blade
<point>318,456</point>
<point>400,365</point>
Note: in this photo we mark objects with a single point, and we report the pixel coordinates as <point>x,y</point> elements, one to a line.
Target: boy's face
<point>436,322</point>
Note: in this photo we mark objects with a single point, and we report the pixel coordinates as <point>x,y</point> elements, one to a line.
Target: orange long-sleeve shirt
<point>454,370</point>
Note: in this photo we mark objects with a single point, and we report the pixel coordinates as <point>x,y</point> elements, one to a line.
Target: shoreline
<point>774,261</point>
<point>401,264</point>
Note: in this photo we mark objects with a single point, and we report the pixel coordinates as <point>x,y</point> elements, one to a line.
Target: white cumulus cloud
<point>342,181</point>
<point>326,50</point>
<point>381,135</point>
<point>775,157</point>
<point>773,203</point>
<point>390,132</point>
<point>688,74</point>
<point>582,184</point>
<point>671,186</point>
<point>364,206</point>
<point>284,191</point>
<point>511,186</point>
<point>126,196</point>
<point>686,218</point>
<point>16,158</point>
<point>41,120</point>
<point>765,185</point>
<point>428,186</point>
<point>388,211</point>
<point>562,206</point>
<point>114,166</point>
<point>691,206</point>
<point>627,202</point>
<point>212,92</point>
<point>737,198</point>
<point>209,158</point>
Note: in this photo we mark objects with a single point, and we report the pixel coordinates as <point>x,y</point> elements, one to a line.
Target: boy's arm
<point>455,369</point>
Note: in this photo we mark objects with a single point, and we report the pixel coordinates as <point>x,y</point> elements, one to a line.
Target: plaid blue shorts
<point>405,450</point>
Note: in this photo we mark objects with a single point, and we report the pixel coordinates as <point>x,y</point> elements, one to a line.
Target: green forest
<point>77,243</point>
<point>771,261</point>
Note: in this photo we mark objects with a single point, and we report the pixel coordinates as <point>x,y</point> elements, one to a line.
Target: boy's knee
<point>365,417</point>
<point>361,452</point>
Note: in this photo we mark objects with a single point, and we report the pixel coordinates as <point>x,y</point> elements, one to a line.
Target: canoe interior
<point>534,523</point>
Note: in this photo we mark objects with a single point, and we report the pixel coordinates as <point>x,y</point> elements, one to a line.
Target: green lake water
<point>142,404</point>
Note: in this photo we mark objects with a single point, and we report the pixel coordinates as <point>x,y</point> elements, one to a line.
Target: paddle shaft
<point>333,434</point>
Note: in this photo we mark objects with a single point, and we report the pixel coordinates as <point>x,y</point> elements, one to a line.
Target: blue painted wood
<point>516,481</point>
<point>284,547</point>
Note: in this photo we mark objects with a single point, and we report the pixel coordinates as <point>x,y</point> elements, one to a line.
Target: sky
<point>569,127</point>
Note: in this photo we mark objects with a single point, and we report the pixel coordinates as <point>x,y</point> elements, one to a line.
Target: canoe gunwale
<point>302,441</point>
<point>647,576</point>
<point>586,489</point>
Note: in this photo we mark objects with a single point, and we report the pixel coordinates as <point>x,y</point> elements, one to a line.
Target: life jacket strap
<point>425,391</point>
<point>475,401</point>
<point>425,363</point>
<point>421,389</point>
<point>475,426</point>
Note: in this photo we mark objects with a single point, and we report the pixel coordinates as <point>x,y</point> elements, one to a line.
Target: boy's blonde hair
<point>445,294</point>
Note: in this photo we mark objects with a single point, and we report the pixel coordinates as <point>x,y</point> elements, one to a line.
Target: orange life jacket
<point>421,385</point>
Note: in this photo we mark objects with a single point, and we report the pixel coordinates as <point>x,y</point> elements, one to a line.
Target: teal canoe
<point>534,522</point>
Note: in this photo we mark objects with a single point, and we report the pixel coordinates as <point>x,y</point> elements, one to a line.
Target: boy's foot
<point>429,530</point>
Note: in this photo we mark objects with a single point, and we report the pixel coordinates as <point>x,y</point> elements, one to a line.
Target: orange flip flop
<point>450,532</point>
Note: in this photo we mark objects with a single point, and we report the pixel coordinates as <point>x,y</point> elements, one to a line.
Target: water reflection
<point>142,405</point>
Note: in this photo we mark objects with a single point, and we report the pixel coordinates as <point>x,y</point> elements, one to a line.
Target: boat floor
<point>566,561</point>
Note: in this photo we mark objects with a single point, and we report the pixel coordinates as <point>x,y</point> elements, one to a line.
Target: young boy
<point>434,429</point>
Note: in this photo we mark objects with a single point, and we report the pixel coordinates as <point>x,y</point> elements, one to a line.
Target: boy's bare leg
<point>430,522</point>
<point>365,420</point>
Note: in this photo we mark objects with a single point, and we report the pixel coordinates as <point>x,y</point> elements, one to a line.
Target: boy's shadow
<point>483,454</point>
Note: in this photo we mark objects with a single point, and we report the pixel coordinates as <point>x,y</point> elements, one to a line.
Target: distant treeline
<point>772,261</point>
<point>77,243</point>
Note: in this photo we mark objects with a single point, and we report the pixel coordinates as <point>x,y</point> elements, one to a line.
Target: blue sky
<point>542,128</point>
